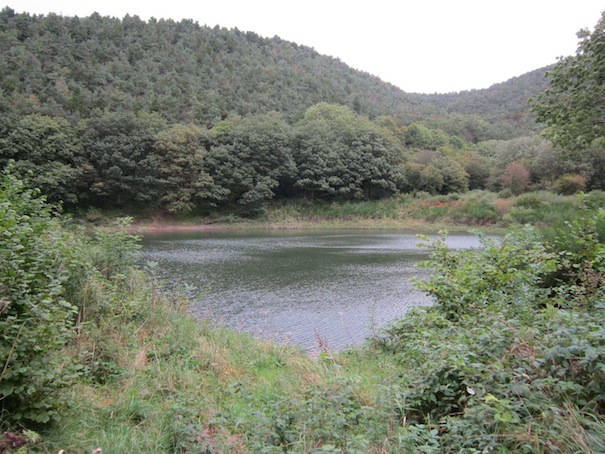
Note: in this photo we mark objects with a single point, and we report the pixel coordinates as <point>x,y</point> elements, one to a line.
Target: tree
<point>340,153</point>
<point>120,147</point>
<point>247,158</point>
<point>180,157</point>
<point>48,153</point>
<point>572,107</point>
<point>515,178</point>
<point>478,169</point>
<point>420,137</point>
<point>455,178</point>
<point>421,177</point>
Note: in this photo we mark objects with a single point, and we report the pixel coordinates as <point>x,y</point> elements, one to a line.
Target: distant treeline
<point>109,112</point>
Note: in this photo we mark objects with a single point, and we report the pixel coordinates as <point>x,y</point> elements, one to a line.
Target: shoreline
<point>409,225</point>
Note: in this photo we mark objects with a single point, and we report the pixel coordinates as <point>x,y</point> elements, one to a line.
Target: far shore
<point>409,225</point>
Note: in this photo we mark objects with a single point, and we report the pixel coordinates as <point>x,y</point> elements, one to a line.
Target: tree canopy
<point>573,107</point>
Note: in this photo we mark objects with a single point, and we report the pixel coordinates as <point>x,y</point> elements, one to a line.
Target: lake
<point>296,286</point>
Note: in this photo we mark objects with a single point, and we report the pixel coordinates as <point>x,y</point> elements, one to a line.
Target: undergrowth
<point>510,358</point>
<point>474,208</point>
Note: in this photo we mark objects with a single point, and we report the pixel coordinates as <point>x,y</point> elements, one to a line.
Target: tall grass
<point>474,208</point>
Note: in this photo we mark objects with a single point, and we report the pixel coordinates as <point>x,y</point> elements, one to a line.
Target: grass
<point>156,379</point>
<point>422,212</point>
<point>469,210</point>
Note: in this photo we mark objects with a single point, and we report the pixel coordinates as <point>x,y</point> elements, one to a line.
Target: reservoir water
<point>297,286</point>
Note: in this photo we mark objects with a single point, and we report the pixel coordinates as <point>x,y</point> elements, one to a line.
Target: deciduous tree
<point>247,158</point>
<point>573,107</point>
<point>120,146</point>
<point>180,158</point>
<point>340,153</point>
<point>48,153</point>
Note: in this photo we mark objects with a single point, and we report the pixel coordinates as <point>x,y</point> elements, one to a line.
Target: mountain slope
<point>72,67</point>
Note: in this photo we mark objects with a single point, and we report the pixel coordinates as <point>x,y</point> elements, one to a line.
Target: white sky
<point>423,46</point>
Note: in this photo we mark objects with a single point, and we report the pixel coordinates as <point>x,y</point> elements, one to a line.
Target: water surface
<point>295,286</point>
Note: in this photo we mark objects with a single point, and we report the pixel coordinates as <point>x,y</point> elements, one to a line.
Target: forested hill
<point>186,71</point>
<point>106,112</point>
<point>71,66</point>
<point>504,103</point>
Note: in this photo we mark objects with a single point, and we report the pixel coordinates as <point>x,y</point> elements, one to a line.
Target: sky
<point>422,46</point>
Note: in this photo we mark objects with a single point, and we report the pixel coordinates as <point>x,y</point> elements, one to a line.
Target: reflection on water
<point>288,286</point>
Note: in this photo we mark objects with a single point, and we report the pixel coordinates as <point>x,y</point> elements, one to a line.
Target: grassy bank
<point>422,212</point>
<point>510,359</point>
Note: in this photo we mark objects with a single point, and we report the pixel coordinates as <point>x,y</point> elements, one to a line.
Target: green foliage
<point>545,208</point>
<point>247,158</point>
<point>571,184</point>
<point>595,199</point>
<point>36,321</point>
<point>571,106</point>
<point>330,416</point>
<point>189,72</point>
<point>181,165</point>
<point>341,154</point>
<point>434,172</point>
<point>479,207</point>
<point>91,110</point>
<point>120,147</point>
<point>518,261</point>
<point>530,200</point>
<point>53,286</point>
<point>49,154</point>
<point>421,177</point>
<point>510,358</point>
<point>418,136</point>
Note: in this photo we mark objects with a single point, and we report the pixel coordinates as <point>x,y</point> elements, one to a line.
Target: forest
<point>104,113</point>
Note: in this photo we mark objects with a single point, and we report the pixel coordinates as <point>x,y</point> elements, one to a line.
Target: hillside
<point>73,66</point>
<point>101,112</point>
<point>505,104</point>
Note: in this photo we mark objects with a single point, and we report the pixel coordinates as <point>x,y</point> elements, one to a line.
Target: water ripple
<point>291,287</point>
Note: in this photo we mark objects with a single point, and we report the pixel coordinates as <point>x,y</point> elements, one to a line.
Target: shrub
<point>530,200</point>
<point>36,321</point>
<point>479,206</point>
<point>571,184</point>
<point>461,287</point>
<point>510,358</point>
<point>595,199</point>
<point>515,177</point>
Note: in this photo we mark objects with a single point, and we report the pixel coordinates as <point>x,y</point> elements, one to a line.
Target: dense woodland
<point>107,112</point>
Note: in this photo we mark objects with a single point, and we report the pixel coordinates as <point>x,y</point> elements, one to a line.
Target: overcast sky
<point>421,46</point>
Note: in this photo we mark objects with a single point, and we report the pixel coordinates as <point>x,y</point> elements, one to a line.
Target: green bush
<point>571,184</point>
<point>510,358</point>
<point>479,206</point>
<point>595,199</point>
<point>36,321</point>
<point>54,285</point>
<point>462,287</point>
<point>529,200</point>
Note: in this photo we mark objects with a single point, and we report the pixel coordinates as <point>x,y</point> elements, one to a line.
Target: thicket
<point>55,285</point>
<point>511,357</point>
<point>36,320</point>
